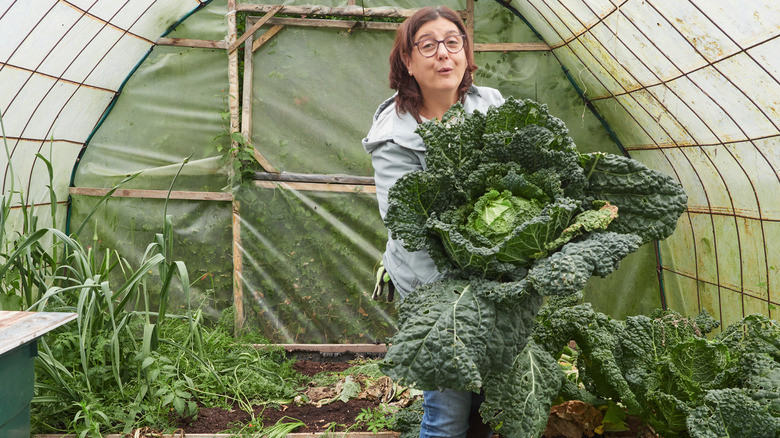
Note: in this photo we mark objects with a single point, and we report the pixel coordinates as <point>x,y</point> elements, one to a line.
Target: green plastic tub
<point>17,374</point>
<point>19,333</point>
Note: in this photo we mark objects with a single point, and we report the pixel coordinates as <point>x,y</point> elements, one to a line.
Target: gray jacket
<point>396,150</point>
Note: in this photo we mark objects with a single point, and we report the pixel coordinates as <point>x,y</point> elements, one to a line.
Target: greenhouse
<point>187,180</point>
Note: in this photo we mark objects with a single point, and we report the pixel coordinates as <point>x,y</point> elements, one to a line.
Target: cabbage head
<point>507,188</point>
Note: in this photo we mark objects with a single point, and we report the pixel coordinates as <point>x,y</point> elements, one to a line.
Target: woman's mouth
<point>444,70</point>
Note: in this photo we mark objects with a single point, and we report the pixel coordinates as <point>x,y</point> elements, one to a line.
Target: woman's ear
<point>408,63</point>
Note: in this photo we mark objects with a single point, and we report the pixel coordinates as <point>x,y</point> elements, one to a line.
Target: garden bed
<point>567,420</point>
<point>318,411</point>
<point>336,416</point>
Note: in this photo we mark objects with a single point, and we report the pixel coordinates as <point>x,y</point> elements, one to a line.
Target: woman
<point>431,68</point>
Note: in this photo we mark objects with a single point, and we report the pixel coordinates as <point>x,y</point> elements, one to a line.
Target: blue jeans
<point>446,414</point>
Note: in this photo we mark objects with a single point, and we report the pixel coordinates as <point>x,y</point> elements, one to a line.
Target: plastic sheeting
<point>308,261</point>
<point>61,63</point>
<point>201,238</point>
<point>170,110</point>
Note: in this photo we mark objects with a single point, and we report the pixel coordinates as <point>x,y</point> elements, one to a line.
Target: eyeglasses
<point>429,47</point>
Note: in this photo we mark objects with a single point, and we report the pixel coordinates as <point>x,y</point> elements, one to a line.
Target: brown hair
<point>409,98</point>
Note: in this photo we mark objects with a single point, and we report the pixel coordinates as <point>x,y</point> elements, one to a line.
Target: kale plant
<point>511,212</point>
<point>665,370</point>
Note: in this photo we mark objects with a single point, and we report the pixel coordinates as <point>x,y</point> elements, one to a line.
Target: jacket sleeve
<point>407,269</point>
<point>391,162</point>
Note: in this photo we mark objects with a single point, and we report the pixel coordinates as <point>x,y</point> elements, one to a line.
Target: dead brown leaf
<point>572,419</point>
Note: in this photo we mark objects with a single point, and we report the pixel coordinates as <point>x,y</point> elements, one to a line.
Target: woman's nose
<point>441,51</point>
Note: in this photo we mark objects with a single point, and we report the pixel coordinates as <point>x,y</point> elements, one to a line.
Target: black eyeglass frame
<point>438,42</point>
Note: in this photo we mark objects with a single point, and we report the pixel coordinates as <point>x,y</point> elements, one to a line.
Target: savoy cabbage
<point>511,212</point>
<point>665,370</point>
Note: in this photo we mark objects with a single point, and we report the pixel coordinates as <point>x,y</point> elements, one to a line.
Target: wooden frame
<point>314,178</point>
<point>330,348</point>
<point>316,187</point>
<point>339,11</point>
<point>254,23</point>
<point>255,26</point>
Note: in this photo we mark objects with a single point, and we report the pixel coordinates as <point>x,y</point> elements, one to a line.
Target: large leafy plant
<point>512,212</point>
<point>665,370</point>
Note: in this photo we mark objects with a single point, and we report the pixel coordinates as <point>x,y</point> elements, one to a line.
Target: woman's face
<point>443,72</point>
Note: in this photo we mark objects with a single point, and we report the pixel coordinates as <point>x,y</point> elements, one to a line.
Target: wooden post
<point>246,104</point>
<point>233,90</point>
<point>470,24</point>
<point>238,270</point>
<point>265,37</point>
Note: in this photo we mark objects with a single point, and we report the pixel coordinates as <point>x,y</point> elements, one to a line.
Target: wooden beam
<point>329,348</point>
<point>266,36</point>
<point>380,434</point>
<point>511,47</point>
<point>264,163</point>
<point>235,118</point>
<point>246,126</point>
<point>258,24</point>
<point>314,178</point>
<point>36,204</point>
<point>336,24</point>
<point>153,194</point>
<point>316,187</point>
<point>186,42</point>
<point>348,11</point>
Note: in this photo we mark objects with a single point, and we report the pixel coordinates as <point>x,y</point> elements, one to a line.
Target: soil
<point>215,420</point>
<point>312,367</point>
<point>317,419</point>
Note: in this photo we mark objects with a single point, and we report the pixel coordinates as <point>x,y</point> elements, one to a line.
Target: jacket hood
<point>388,125</point>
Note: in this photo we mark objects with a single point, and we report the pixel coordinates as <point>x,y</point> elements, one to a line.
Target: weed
<point>374,420</point>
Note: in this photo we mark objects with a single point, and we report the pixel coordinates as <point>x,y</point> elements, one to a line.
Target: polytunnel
<point>242,122</point>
